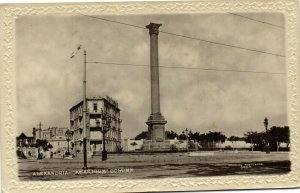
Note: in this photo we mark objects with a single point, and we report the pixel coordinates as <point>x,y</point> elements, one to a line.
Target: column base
<point>156,127</point>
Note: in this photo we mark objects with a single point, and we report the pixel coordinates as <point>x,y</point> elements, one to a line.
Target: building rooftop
<point>23,136</point>
<point>107,99</point>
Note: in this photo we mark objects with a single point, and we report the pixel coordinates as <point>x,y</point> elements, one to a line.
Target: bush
<point>43,143</point>
<point>173,148</point>
<point>191,145</point>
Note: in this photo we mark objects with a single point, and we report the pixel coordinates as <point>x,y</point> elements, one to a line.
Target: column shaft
<point>155,98</point>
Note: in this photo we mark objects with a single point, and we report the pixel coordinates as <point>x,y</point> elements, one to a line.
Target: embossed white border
<point>8,15</point>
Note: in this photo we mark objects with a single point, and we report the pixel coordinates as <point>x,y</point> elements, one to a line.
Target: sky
<point>49,82</point>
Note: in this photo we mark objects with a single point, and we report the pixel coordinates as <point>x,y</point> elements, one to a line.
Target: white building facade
<point>55,136</point>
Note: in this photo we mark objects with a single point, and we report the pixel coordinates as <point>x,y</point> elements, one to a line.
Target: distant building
<point>57,144</point>
<point>234,144</point>
<point>24,141</point>
<point>96,108</point>
<point>56,137</point>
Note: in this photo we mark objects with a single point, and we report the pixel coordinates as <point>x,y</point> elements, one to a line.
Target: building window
<point>60,132</point>
<point>95,107</point>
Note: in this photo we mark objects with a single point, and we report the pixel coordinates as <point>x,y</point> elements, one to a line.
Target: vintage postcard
<point>149,96</point>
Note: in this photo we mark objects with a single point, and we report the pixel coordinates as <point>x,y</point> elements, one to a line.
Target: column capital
<point>153,28</point>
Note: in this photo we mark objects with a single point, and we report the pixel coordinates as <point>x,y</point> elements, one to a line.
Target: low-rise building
<point>234,144</point>
<point>24,141</point>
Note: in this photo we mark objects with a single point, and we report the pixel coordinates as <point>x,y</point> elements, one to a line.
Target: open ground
<point>154,165</point>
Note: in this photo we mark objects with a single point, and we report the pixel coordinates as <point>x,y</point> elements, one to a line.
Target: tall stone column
<point>156,122</point>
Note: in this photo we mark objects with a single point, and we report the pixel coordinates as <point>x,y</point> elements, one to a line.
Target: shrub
<point>191,145</point>
<point>173,148</point>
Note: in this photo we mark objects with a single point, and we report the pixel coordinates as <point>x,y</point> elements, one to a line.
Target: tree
<point>191,144</point>
<point>195,136</point>
<point>142,135</point>
<point>210,138</point>
<point>182,136</point>
<point>221,137</point>
<point>189,134</point>
<point>50,146</point>
<point>256,138</point>
<point>215,137</point>
<point>203,140</point>
<point>43,143</point>
<point>286,136</point>
<point>171,135</point>
<point>277,135</point>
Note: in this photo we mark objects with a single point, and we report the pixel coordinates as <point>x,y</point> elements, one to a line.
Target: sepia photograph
<point>151,96</point>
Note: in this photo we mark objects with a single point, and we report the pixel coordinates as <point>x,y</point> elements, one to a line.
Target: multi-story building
<point>98,108</point>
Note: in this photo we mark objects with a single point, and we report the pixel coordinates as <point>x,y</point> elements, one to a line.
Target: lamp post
<point>84,111</point>
<point>266,122</point>
<point>68,135</point>
<point>104,128</point>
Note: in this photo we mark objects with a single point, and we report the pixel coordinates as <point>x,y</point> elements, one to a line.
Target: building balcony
<point>94,112</point>
<point>78,139</point>
<point>98,140</point>
<point>76,116</point>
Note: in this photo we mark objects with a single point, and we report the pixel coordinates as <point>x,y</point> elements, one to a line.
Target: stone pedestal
<point>156,127</point>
